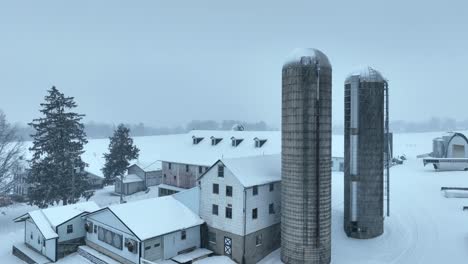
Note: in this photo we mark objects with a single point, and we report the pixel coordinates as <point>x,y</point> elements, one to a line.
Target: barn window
<point>170,165</point>
<point>186,168</point>
<point>255,190</point>
<point>215,141</point>
<point>229,191</point>
<point>229,212</point>
<point>157,245</point>
<point>258,240</point>
<point>215,188</point>
<point>43,243</point>
<point>95,229</point>
<point>196,140</point>
<point>214,209</point>
<point>271,208</point>
<point>183,235</point>
<point>32,236</point>
<point>220,171</point>
<point>272,187</point>
<point>200,169</point>
<point>254,213</point>
<point>38,240</point>
<point>148,248</point>
<point>69,229</point>
<point>259,142</point>
<point>236,141</point>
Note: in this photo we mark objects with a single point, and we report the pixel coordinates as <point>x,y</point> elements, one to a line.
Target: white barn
<point>152,229</point>
<point>240,201</point>
<point>56,232</point>
<point>449,152</point>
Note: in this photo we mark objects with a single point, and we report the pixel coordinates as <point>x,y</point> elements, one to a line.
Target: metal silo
<point>306,158</point>
<point>365,125</point>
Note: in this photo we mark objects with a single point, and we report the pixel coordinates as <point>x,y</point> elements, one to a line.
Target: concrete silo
<point>306,158</point>
<point>364,154</point>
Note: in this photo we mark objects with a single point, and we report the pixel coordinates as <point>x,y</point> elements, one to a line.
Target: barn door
<point>227,246</point>
<point>458,151</point>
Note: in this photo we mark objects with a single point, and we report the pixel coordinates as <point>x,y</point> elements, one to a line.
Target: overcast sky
<point>168,62</point>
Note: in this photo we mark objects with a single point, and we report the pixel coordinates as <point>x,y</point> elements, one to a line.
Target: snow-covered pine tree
<point>121,152</point>
<point>57,171</point>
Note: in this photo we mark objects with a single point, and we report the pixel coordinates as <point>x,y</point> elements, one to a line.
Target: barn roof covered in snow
<point>131,178</point>
<point>155,217</point>
<point>47,220</point>
<point>255,170</point>
<point>148,166</point>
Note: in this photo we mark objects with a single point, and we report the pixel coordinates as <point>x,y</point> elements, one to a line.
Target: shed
<point>450,145</point>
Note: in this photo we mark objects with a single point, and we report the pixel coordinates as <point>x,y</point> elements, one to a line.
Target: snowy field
<point>424,226</point>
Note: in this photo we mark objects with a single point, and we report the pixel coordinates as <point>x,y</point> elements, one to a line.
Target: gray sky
<point>168,63</point>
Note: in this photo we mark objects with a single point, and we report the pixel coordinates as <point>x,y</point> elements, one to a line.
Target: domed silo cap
<point>366,74</point>
<point>307,56</point>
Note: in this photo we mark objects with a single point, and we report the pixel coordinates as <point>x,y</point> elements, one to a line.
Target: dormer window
<point>259,142</point>
<point>215,141</point>
<point>196,140</point>
<point>236,141</point>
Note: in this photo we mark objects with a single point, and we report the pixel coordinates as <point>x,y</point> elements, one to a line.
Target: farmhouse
<point>55,232</point>
<point>240,200</point>
<point>152,229</point>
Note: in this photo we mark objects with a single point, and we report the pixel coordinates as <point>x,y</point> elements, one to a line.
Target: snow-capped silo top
<point>366,74</point>
<point>307,56</point>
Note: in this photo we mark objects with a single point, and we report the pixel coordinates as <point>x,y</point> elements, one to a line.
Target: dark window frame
<point>221,171</point>
<point>70,229</point>
<point>255,190</point>
<point>228,212</point>
<point>229,191</point>
<point>183,235</point>
<point>255,213</point>
<point>214,209</point>
<point>271,208</point>
<point>215,188</point>
<point>272,187</point>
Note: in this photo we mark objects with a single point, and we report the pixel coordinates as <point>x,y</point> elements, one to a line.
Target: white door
<point>458,151</point>
<point>153,249</point>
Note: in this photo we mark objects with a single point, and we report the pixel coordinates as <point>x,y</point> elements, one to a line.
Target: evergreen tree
<point>57,171</point>
<point>121,152</point>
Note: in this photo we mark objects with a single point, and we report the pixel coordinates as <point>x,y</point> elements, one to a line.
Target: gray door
<point>153,249</point>
<point>227,246</point>
<point>458,151</point>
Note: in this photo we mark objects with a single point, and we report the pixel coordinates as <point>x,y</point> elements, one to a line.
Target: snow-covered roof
<point>256,170</point>
<point>155,217</point>
<point>206,154</point>
<point>170,187</point>
<point>149,166</point>
<point>48,219</point>
<point>131,178</point>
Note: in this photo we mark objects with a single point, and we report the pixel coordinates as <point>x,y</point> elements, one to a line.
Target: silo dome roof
<point>366,74</point>
<point>312,55</point>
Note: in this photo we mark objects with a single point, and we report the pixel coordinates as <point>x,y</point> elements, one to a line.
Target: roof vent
<point>236,141</point>
<point>196,140</point>
<point>215,140</point>
<point>259,142</point>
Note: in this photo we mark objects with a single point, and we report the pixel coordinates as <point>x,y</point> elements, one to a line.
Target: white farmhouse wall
<point>207,199</point>
<point>261,201</point>
<point>78,229</point>
<point>31,228</point>
<point>174,244</point>
<point>50,249</point>
<point>110,222</point>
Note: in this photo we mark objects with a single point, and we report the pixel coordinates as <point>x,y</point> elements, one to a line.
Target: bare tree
<point>10,153</point>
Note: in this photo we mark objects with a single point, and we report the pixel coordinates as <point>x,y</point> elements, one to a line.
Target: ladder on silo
<point>387,153</point>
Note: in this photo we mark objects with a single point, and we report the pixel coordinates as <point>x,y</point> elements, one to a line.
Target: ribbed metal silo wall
<point>363,184</point>
<point>306,164</point>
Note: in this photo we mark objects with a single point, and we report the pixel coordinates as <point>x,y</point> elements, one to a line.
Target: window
<point>271,208</point>
<point>38,240</point>
<point>258,240</point>
<point>186,168</point>
<point>164,176</point>
<point>157,245</point>
<point>255,190</point>
<point>229,191</point>
<point>259,142</point>
<point>236,141</point>
<point>212,237</point>
<point>272,187</point>
<point>32,236</point>
<point>109,237</point>
<point>197,140</point>
<point>220,171</point>
<point>170,165</point>
<point>215,141</point>
<point>183,235</point>
<point>175,178</point>
<point>229,212</point>
<point>43,243</point>
<point>148,248</point>
<point>254,213</point>
<point>69,229</point>
<point>215,188</point>
<point>214,209</point>
<point>95,229</point>
<point>200,169</point>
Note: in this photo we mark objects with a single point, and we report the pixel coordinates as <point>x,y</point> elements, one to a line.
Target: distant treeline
<point>430,125</point>
<point>104,130</point>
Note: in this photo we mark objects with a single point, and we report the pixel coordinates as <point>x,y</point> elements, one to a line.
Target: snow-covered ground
<point>424,226</point>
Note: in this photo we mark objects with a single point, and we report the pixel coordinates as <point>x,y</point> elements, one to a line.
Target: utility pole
<point>121,189</point>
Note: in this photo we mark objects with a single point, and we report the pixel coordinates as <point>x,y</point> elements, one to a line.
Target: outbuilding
<point>55,232</point>
<point>152,229</point>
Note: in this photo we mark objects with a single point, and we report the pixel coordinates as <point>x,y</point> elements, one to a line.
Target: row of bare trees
<point>10,153</point>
